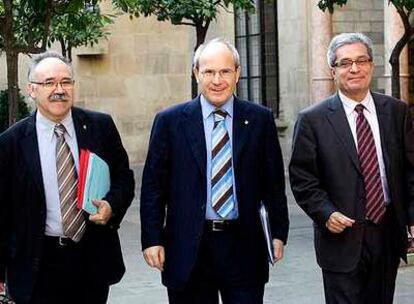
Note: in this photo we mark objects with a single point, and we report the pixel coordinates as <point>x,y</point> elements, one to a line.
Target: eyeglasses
<point>224,73</point>
<point>347,63</point>
<point>52,85</point>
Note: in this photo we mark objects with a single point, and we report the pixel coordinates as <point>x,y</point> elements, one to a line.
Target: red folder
<point>83,170</point>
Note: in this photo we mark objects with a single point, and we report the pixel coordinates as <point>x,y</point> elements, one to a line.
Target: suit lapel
<point>194,132</point>
<point>337,118</point>
<point>30,150</point>
<point>82,130</point>
<point>384,116</point>
<point>242,124</point>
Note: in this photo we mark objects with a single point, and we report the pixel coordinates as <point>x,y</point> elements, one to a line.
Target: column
<point>321,35</point>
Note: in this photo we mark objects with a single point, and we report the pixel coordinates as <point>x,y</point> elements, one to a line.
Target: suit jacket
<point>326,177</point>
<point>23,206</point>
<point>173,195</point>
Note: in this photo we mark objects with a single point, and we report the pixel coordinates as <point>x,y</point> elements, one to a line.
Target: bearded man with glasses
<point>350,171</point>
<point>51,251</point>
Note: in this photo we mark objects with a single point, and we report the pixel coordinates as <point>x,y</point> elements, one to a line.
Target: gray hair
<point>344,39</point>
<point>200,49</point>
<point>40,57</point>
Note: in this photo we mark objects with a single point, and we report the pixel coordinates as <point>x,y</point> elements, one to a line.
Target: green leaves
<point>178,11</point>
<point>39,23</point>
<point>404,4</point>
<point>79,28</point>
<point>329,4</point>
<point>23,109</point>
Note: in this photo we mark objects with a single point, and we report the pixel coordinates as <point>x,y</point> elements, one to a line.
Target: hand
<point>155,257</point>
<point>278,248</point>
<point>2,289</point>
<point>412,230</point>
<point>337,222</point>
<point>104,212</point>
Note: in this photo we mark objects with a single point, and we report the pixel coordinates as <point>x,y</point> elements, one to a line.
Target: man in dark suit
<point>210,164</point>
<point>350,173</point>
<point>50,251</point>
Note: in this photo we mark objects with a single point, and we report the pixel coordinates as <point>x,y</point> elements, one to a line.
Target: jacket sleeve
<point>409,151</point>
<point>275,189</point>
<point>4,207</point>
<point>154,185</point>
<point>121,192</point>
<point>304,174</point>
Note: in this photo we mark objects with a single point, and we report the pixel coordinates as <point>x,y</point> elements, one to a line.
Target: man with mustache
<point>350,171</point>
<point>50,251</point>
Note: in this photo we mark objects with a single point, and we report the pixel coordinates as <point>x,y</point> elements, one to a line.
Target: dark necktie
<point>367,154</point>
<point>221,169</point>
<point>73,220</point>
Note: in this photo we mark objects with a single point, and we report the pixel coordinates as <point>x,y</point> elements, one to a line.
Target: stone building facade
<point>145,65</point>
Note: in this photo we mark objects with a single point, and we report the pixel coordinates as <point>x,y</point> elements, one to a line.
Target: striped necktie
<point>221,169</point>
<point>367,154</point>
<point>73,220</point>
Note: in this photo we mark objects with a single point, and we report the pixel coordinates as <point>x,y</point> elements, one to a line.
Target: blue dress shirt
<point>208,120</point>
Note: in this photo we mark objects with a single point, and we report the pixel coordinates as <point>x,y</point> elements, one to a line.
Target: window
<point>256,41</point>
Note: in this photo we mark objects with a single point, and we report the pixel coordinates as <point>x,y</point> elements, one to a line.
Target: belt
<point>59,241</point>
<point>220,225</point>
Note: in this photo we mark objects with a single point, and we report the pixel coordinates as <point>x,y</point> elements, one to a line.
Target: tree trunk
<point>63,47</point>
<point>12,85</point>
<point>396,52</point>
<point>201,32</point>
<point>395,65</point>
<point>395,76</point>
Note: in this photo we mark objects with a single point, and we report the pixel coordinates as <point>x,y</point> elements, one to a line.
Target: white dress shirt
<point>47,139</point>
<point>370,114</point>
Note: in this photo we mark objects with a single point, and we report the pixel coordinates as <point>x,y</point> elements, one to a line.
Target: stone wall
<point>294,65</point>
<point>144,67</point>
<point>367,17</point>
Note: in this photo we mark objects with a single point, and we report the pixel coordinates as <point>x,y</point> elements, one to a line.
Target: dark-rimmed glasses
<point>347,63</point>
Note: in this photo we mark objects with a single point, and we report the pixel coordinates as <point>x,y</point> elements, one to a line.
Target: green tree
<point>29,26</point>
<point>404,9</point>
<point>23,110</point>
<point>74,29</point>
<point>196,13</point>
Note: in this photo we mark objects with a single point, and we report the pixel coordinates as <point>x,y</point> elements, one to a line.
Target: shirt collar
<point>207,108</point>
<point>47,127</point>
<point>349,104</point>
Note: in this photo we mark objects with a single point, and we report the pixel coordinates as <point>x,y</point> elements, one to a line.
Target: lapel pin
<point>246,122</point>
<point>84,127</point>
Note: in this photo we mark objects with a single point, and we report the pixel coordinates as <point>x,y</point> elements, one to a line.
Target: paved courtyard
<point>296,280</point>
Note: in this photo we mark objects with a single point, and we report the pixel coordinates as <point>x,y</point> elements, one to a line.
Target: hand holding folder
<point>94,180</point>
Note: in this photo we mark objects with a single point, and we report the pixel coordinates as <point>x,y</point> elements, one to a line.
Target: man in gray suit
<point>350,172</point>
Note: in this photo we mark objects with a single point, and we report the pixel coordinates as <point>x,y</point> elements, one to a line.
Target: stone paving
<point>296,280</point>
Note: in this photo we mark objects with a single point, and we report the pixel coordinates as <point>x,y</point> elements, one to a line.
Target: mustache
<point>58,97</point>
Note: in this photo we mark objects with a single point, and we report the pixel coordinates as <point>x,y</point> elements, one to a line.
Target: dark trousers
<point>217,271</point>
<point>373,280</point>
<point>62,277</point>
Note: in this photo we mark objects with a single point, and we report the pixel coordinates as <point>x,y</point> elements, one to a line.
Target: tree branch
<point>186,23</point>
<point>226,9</point>
<point>46,23</point>
<point>404,17</point>
<point>8,36</point>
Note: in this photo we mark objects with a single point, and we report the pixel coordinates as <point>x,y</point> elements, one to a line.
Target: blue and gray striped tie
<point>221,170</point>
